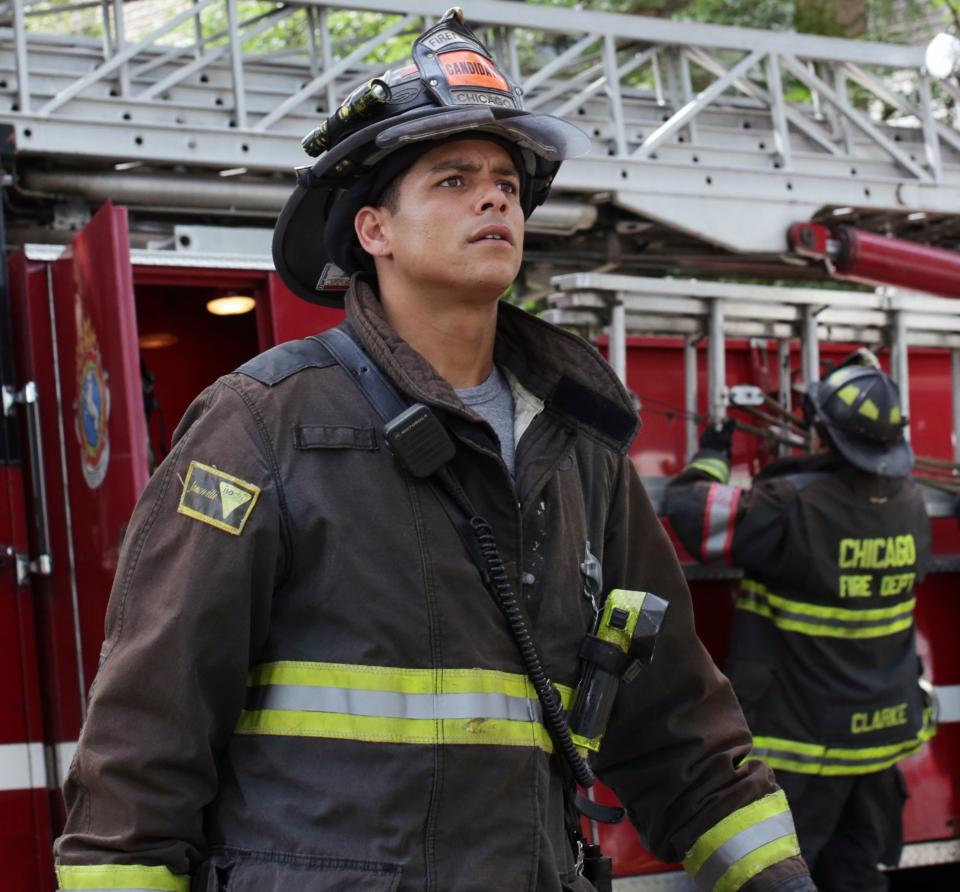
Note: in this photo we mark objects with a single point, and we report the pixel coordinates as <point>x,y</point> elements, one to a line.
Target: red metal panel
<point>282,316</point>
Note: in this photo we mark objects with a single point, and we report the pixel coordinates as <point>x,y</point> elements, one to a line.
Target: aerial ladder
<point>727,136</point>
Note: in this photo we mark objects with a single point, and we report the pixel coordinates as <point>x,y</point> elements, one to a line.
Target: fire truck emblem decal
<point>92,404</point>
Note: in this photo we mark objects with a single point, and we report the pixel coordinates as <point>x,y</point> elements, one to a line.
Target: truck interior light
<point>231,305</point>
<point>156,339</point>
<point>943,56</point>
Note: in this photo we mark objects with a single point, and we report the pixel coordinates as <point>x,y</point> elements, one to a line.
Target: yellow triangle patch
<point>231,498</point>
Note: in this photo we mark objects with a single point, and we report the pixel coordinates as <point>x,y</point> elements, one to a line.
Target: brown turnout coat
<point>344,559</point>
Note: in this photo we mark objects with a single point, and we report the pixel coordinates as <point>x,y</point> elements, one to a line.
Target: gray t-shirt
<point>493,401</point>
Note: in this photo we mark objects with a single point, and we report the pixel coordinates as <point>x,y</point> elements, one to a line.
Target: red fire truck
<point>104,346</point>
<point>708,143</point>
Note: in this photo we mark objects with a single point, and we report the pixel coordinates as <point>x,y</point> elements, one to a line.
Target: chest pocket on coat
<point>335,436</point>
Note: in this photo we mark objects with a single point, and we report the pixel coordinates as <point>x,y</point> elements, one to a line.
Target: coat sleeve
<point>676,746</point>
<point>717,522</point>
<point>197,570</point>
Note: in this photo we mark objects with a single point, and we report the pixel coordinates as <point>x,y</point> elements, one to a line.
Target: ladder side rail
<point>686,91</point>
<point>236,66</point>
<point>613,91</point>
<point>899,365</point>
<point>778,111</point>
<point>841,124</point>
<point>617,343</point>
<point>784,387</point>
<point>931,132</point>
<point>120,44</point>
<point>716,364</point>
<point>690,394</point>
<point>23,71</point>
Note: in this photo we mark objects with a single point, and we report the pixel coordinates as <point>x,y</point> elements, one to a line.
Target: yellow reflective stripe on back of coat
<point>812,758</point>
<point>395,704</point>
<point>741,845</point>
<point>127,877</point>
<point>815,619</point>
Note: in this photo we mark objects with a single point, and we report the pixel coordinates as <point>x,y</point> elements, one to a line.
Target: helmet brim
<point>548,137</point>
<point>299,252</point>
<point>875,458</point>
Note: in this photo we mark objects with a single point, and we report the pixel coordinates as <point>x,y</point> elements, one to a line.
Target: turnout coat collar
<point>558,367</point>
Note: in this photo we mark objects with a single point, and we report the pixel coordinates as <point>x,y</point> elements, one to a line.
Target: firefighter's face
<point>457,222</point>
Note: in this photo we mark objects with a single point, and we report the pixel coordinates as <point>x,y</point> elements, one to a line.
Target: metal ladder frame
<point>623,306</point>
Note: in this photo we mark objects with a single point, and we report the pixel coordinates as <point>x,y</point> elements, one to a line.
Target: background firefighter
<point>823,656</point>
<point>334,700</point>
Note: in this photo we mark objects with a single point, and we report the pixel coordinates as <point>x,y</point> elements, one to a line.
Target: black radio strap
<point>341,343</point>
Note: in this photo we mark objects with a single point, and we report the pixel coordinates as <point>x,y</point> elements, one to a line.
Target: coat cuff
<point>711,462</point>
<point>130,877</point>
<point>743,845</point>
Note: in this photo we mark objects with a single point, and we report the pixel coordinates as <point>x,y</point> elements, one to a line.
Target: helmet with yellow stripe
<point>859,408</point>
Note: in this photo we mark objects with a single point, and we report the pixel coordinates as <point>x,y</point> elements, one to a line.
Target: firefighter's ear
<point>373,231</point>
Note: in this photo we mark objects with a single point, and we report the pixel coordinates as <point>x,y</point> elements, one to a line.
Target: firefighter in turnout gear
<point>350,605</point>
<point>822,653</point>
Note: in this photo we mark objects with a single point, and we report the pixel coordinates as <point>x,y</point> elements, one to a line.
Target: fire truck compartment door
<point>104,433</point>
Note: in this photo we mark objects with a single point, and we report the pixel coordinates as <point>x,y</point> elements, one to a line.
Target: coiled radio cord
<point>553,717</point>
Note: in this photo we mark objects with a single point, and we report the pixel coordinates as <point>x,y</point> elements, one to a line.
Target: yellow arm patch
<point>217,498</point>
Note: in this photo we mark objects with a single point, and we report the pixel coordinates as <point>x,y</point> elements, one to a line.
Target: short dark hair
<point>390,197</point>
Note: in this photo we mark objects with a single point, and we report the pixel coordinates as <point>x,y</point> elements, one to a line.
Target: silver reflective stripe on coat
<point>389,704</point>
<point>741,845</point>
<point>721,512</point>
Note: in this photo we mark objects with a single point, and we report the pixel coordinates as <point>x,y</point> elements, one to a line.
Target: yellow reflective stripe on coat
<point>743,844</point>
<point>127,877</point>
<point>813,758</point>
<point>715,467</point>
<point>816,619</point>
<point>382,704</point>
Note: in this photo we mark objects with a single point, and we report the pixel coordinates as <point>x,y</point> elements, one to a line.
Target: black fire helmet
<point>859,406</point>
<point>451,89</point>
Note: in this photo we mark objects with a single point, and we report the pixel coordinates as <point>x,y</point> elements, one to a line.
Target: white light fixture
<point>943,56</point>
<point>231,305</point>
